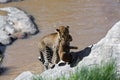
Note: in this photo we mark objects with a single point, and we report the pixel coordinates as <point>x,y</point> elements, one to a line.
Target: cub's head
<point>64,33</point>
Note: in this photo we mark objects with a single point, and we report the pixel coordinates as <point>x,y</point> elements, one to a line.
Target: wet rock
<point>1,57</point>
<point>4,1</point>
<point>25,76</point>
<point>16,24</point>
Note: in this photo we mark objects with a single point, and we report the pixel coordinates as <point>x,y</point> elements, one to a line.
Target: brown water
<point>89,21</point>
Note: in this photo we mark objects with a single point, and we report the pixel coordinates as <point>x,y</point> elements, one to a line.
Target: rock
<point>5,1</point>
<point>57,72</point>
<point>1,57</point>
<point>106,49</point>
<point>25,76</point>
<point>4,38</point>
<point>17,24</point>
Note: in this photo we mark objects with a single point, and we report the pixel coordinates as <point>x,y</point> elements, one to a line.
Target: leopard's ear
<point>68,27</point>
<point>57,30</point>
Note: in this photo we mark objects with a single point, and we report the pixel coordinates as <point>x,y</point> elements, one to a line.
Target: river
<point>89,21</point>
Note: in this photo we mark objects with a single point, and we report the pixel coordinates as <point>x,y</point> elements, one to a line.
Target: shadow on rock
<point>61,64</point>
<point>2,51</point>
<point>36,26</point>
<point>2,48</point>
<point>78,56</point>
<point>3,70</point>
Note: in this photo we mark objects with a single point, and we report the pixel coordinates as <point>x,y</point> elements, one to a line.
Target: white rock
<point>25,76</point>
<point>16,22</point>
<point>10,29</point>
<point>105,49</point>
<point>20,20</point>
<point>4,38</point>
<point>3,21</point>
<point>4,1</point>
<point>57,72</point>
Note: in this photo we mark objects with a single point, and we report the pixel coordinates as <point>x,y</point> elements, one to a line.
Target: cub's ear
<point>57,30</point>
<point>68,27</point>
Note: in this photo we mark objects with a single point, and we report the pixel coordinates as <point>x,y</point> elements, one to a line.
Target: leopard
<point>64,51</point>
<point>49,46</point>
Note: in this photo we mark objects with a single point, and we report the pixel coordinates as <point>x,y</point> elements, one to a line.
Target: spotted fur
<point>64,51</point>
<point>49,45</point>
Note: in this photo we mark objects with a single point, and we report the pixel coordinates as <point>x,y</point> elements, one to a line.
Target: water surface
<point>89,21</point>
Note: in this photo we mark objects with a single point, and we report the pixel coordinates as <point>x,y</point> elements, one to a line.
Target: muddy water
<point>89,21</point>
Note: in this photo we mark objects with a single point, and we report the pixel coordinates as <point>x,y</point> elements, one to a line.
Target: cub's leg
<point>55,57</point>
<point>49,57</point>
<point>46,61</point>
<point>41,58</point>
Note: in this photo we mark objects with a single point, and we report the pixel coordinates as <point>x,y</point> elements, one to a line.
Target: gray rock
<point>25,76</point>
<point>16,24</point>
<point>1,57</point>
<point>4,38</point>
<point>57,72</point>
<point>5,1</point>
<point>105,49</point>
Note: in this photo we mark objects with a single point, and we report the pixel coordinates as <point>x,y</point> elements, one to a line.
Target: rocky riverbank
<point>107,48</point>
